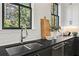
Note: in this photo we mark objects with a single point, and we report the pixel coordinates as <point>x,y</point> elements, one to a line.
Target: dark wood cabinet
<point>76,46</point>
<point>58,49</point>
<point>68,48</point>
<point>65,48</point>
<point>44,52</point>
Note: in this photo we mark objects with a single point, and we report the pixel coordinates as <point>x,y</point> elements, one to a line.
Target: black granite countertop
<point>45,44</point>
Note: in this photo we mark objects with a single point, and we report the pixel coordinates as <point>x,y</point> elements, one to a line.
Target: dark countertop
<point>45,43</point>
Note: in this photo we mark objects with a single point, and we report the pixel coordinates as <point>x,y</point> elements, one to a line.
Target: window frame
<point>19,5</point>
<point>55,15</point>
<point>53,9</point>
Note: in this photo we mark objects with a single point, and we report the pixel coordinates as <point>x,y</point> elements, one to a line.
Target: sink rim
<point>30,45</point>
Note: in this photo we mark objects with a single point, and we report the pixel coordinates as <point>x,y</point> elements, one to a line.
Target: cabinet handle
<point>58,46</point>
<point>66,42</point>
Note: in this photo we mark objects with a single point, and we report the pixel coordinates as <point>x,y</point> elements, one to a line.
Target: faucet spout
<point>23,37</point>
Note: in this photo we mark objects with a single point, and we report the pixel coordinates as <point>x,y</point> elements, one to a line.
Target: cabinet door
<point>68,48</point>
<point>58,49</point>
<point>44,52</point>
<point>76,46</point>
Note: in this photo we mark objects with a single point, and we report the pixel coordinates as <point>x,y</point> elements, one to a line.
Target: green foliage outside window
<point>15,17</point>
<point>25,17</point>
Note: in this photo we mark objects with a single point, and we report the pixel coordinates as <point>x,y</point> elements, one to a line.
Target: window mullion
<point>19,16</point>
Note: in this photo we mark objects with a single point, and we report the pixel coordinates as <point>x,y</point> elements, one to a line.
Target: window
<point>55,17</point>
<point>23,18</point>
<point>16,15</point>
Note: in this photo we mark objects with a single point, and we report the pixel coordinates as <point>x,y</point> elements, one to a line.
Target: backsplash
<point>14,36</point>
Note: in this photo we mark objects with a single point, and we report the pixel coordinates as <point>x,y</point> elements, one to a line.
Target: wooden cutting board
<point>45,28</point>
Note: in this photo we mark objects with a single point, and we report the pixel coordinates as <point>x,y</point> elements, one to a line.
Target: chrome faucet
<point>23,37</point>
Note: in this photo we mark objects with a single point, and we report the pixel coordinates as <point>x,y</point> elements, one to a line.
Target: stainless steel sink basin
<point>18,50</point>
<point>33,45</point>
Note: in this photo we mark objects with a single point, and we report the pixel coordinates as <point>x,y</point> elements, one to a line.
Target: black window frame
<point>19,5</point>
<point>53,9</point>
<point>54,14</point>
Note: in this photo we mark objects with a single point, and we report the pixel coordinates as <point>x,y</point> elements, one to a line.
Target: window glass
<point>11,16</point>
<point>54,17</point>
<point>16,15</point>
<point>55,9</point>
<point>52,8</point>
<point>25,17</point>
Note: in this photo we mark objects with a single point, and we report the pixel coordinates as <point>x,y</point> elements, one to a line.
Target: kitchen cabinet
<point>44,52</point>
<point>76,46</point>
<point>58,49</point>
<point>68,47</point>
<point>65,48</point>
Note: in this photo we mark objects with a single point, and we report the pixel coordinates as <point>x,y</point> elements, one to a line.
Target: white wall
<point>63,14</point>
<point>41,10</point>
<point>13,36</point>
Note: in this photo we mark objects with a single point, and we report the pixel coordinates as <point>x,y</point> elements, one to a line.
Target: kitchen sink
<point>33,45</point>
<point>18,50</point>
